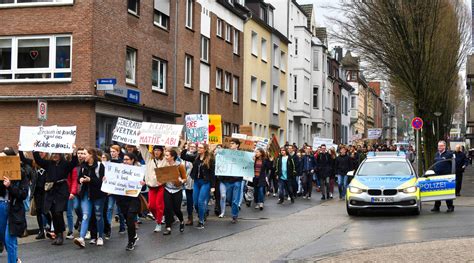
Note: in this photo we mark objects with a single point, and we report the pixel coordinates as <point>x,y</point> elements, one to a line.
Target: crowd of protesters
<point>71,183</point>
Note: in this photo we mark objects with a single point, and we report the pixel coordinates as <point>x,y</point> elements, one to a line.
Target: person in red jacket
<point>73,203</point>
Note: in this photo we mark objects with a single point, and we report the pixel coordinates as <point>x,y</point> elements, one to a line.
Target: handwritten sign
<point>51,139</point>
<point>318,141</point>
<point>215,129</point>
<point>239,136</point>
<point>10,167</point>
<point>197,128</point>
<point>126,131</point>
<point>235,163</point>
<point>245,145</point>
<point>374,133</point>
<point>160,134</point>
<point>167,174</point>
<point>246,129</point>
<point>122,179</point>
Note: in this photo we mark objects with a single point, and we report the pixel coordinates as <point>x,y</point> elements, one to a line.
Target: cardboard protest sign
<point>215,129</point>
<point>274,148</point>
<point>127,131</point>
<point>235,163</point>
<point>10,167</point>
<point>246,129</point>
<point>160,134</point>
<point>167,174</point>
<point>245,145</point>
<point>51,139</point>
<point>122,179</point>
<point>197,128</point>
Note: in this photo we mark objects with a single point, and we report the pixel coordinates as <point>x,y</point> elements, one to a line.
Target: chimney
<point>338,53</point>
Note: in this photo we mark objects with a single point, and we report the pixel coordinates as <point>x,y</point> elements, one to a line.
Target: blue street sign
<point>106,81</point>
<point>133,96</point>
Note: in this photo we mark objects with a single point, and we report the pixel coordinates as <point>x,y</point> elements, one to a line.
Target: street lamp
<point>437,114</point>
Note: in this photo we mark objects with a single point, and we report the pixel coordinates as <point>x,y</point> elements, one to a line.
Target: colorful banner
<point>126,131</point>
<point>197,128</point>
<point>51,139</point>
<point>122,179</point>
<point>274,148</point>
<point>235,163</point>
<point>215,129</point>
<point>160,134</point>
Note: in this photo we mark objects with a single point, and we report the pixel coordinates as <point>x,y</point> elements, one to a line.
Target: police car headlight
<point>410,189</point>
<point>355,190</point>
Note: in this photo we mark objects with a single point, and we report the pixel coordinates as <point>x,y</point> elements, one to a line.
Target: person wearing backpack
<point>91,174</point>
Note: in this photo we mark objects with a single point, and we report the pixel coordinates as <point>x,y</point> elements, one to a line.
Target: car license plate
<point>382,200</point>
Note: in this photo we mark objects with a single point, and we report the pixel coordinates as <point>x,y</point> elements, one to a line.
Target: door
<point>438,187</point>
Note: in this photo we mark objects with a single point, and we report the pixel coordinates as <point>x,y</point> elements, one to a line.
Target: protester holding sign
<point>204,179</point>
<point>114,158</point>
<point>12,211</point>
<point>57,192</point>
<point>286,172</point>
<point>261,168</point>
<point>174,193</point>
<point>92,198</point>
<point>156,202</point>
<point>188,186</point>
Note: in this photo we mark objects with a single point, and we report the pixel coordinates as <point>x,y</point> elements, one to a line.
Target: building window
<point>235,89</point>
<point>276,56</point>
<point>353,102</point>
<point>228,33</point>
<point>353,75</point>
<point>227,79</point>
<point>188,71</point>
<point>315,97</point>
<point>283,61</point>
<point>282,100</point>
<point>295,87</point>
<point>270,17</point>
<point>226,129</point>
<point>204,107</point>
<point>345,105</point>
<point>204,49</point>
<point>254,44</point>
<point>315,60</point>
<point>296,46</point>
<point>264,49</point>
<point>35,58</point>
<point>219,78</point>
<point>276,100</point>
<point>8,3</point>
<point>263,92</point>
<point>131,65</point>
<point>161,19</point>
<point>189,13</point>
<point>219,28</point>
<point>134,7</point>
<point>338,101</point>
<point>158,79</point>
<point>253,87</point>
<point>236,41</point>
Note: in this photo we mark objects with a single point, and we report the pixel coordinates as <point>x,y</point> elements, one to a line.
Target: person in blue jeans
<point>91,197</point>
<point>343,166</point>
<point>204,179</point>
<point>286,171</point>
<point>262,168</point>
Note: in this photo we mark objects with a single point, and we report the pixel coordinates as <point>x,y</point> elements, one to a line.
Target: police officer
<point>441,168</point>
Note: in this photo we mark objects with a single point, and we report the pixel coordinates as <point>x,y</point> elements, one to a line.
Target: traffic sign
<point>42,110</point>
<point>417,123</point>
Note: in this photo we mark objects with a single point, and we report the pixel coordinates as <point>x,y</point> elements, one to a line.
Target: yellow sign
<point>215,129</point>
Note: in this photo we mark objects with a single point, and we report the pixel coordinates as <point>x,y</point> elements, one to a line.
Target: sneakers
<point>150,216</point>
<point>181,227</point>
<point>70,235</point>
<point>304,197</point>
<point>200,225</point>
<point>88,235</point>
<point>261,206</point>
<point>257,206</point>
<point>234,220</point>
<point>450,210</point>
<point>100,242</point>
<point>157,228</point>
<point>80,242</point>
<point>280,201</point>
<point>40,235</point>
<point>274,194</point>
<point>122,231</point>
<point>289,198</point>
<point>107,235</point>
<point>93,241</point>
<point>309,197</point>
<point>221,215</point>
<point>167,231</point>
<point>435,209</point>
<point>323,198</point>
<point>292,200</point>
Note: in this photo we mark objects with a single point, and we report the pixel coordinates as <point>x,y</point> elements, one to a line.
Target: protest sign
<point>235,163</point>
<point>122,179</point>
<point>245,145</point>
<point>318,141</point>
<point>374,133</point>
<point>126,131</point>
<point>274,148</point>
<point>28,136</point>
<point>215,129</point>
<point>263,143</point>
<point>167,174</point>
<point>51,139</point>
<point>197,128</point>
<point>246,129</point>
<point>239,136</point>
<point>160,134</point>
<point>10,167</point>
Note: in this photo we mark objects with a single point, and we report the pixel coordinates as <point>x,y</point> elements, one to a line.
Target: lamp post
<point>437,114</point>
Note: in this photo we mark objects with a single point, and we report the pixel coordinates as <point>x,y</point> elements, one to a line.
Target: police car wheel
<point>417,210</point>
<point>350,211</point>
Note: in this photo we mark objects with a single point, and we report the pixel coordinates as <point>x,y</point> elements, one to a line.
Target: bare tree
<point>419,45</point>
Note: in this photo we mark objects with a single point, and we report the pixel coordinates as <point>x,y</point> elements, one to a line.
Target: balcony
<point>354,115</point>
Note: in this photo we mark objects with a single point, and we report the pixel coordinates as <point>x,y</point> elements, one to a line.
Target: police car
<point>388,180</point>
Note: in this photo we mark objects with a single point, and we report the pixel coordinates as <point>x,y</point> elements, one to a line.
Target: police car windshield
<point>384,168</point>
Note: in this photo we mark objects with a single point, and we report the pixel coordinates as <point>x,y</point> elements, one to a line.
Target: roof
<point>308,10</point>
<point>322,34</point>
<point>349,61</point>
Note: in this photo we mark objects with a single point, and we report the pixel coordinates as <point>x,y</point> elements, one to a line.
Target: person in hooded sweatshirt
<point>343,165</point>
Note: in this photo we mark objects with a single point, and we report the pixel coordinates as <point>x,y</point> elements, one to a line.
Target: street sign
<point>42,110</point>
<point>133,96</point>
<point>106,84</point>
<point>417,123</point>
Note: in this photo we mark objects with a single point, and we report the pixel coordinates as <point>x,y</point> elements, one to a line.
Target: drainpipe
<point>175,55</point>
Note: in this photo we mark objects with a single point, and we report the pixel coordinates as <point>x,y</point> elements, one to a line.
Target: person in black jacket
<point>325,165</point>
<point>343,166</point>
<point>443,166</point>
<point>262,167</point>
<point>90,176</point>
<point>204,179</point>
<point>12,210</point>
<point>308,166</point>
<point>57,191</point>
<point>294,180</point>
<point>461,163</point>
<point>286,172</point>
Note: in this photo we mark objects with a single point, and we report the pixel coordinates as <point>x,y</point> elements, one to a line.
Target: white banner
<point>51,139</point>
<point>160,134</point>
<point>122,179</point>
<point>374,133</point>
<point>318,141</point>
<point>239,136</point>
<point>126,131</point>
